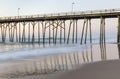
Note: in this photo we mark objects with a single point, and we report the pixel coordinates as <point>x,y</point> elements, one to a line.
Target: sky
<point>32,7</point>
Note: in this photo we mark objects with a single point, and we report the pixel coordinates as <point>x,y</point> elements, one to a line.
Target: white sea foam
<point>10,55</point>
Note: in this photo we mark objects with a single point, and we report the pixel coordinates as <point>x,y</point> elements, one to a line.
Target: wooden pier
<point>52,28</point>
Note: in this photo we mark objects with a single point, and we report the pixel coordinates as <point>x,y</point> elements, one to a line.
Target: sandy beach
<point>99,70</point>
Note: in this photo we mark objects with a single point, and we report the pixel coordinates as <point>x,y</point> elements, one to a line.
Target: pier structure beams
<point>86,24</point>
<point>47,31</point>
<point>52,31</point>
<point>11,28</point>
<point>57,27</point>
<point>73,26</point>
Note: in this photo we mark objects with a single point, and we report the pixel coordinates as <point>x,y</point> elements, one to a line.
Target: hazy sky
<point>28,7</point>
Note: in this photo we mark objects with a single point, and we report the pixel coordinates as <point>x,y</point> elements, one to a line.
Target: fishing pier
<point>54,28</point>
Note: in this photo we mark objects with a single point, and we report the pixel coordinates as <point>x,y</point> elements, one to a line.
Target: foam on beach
<point>28,52</point>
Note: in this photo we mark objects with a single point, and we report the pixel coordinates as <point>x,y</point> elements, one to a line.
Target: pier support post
<point>102,31</point>
<point>33,34</point>
<point>12,29</point>
<point>38,32</point>
<point>61,33</point>
<point>3,32</point>
<point>69,32</point>
<point>118,35</point>
<point>29,32</point>
<point>90,31</point>
<point>49,33</point>
<point>56,32</point>
<point>53,31</point>
<point>16,33</point>
<point>19,32</point>
<point>73,36</point>
<point>85,20</point>
<point>44,26</point>
<point>64,32</point>
<point>86,32</point>
<point>76,30</point>
<point>23,34</point>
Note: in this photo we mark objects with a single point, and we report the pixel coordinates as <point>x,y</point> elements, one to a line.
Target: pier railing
<point>62,14</point>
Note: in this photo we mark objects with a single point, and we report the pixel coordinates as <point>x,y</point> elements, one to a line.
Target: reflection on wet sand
<point>85,55</point>
<point>61,62</point>
<point>100,53</point>
<point>103,51</point>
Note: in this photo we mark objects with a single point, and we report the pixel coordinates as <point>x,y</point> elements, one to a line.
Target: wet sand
<point>99,70</point>
<point>61,65</point>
